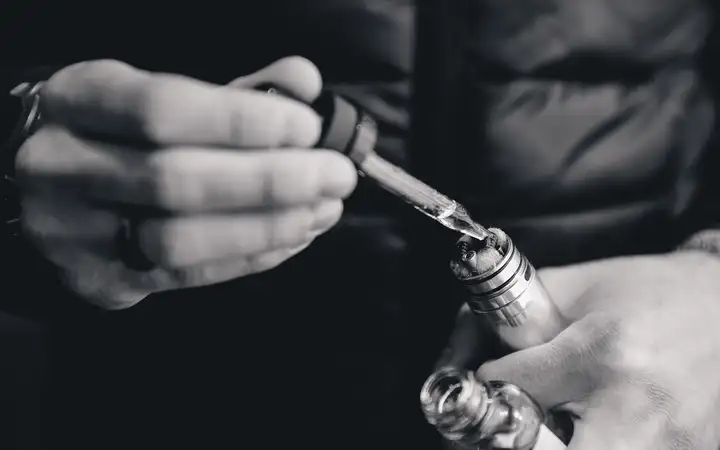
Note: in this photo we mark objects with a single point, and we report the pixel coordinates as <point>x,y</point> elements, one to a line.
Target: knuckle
<point>36,152</point>
<point>171,181</point>
<point>94,71</point>
<point>626,360</point>
<point>157,109</point>
<point>239,123</point>
<point>294,180</point>
<point>200,275</point>
<point>278,182</point>
<point>599,339</point>
<point>99,69</point>
<point>288,121</point>
<point>25,160</point>
<point>614,345</point>
<point>290,229</point>
<point>161,242</point>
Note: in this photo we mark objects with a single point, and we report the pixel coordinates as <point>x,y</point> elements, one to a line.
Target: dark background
<point>21,364</point>
<point>28,28</point>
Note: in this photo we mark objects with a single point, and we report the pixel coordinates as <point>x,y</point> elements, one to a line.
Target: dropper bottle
<point>479,415</point>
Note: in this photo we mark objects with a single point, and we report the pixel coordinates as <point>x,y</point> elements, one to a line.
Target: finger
<point>222,271</point>
<point>565,284</point>
<point>110,98</point>
<point>112,286</point>
<point>194,240</point>
<point>182,179</point>
<point>294,74</point>
<point>53,223</point>
<point>558,372</point>
<point>470,342</point>
<point>50,222</point>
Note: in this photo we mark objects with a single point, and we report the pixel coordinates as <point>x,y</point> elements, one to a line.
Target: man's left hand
<point>640,363</point>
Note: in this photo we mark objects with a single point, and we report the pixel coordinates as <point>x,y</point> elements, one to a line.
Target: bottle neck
<point>494,415</point>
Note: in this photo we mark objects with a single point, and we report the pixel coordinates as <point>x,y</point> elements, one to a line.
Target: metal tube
<point>507,291</point>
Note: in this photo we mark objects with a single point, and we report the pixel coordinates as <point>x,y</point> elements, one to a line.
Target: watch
<point>28,94</point>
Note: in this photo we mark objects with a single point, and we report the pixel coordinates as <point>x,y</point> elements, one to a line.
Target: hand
<point>640,363</point>
<point>222,176</point>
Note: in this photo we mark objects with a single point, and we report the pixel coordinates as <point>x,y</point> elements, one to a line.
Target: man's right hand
<point>223,177</point>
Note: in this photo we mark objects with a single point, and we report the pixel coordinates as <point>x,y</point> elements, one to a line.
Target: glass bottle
<point>479,415</point>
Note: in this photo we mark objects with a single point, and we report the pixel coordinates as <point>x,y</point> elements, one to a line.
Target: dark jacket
<point>577,126</point>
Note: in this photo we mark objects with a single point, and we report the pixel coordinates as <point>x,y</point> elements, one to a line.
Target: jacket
<point>581,128</point>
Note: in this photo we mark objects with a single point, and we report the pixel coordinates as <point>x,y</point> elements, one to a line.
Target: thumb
<point>555,373</point>
<point>295,75</point>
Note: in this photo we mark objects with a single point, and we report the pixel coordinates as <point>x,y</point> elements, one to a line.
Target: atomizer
<point>504,289</point>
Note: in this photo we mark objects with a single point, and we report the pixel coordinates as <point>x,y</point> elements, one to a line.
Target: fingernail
<point>339,175</point>
<point>327,214</point>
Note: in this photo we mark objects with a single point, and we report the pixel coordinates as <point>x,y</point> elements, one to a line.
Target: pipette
<point>347,129</point>
<point>424,198</point>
